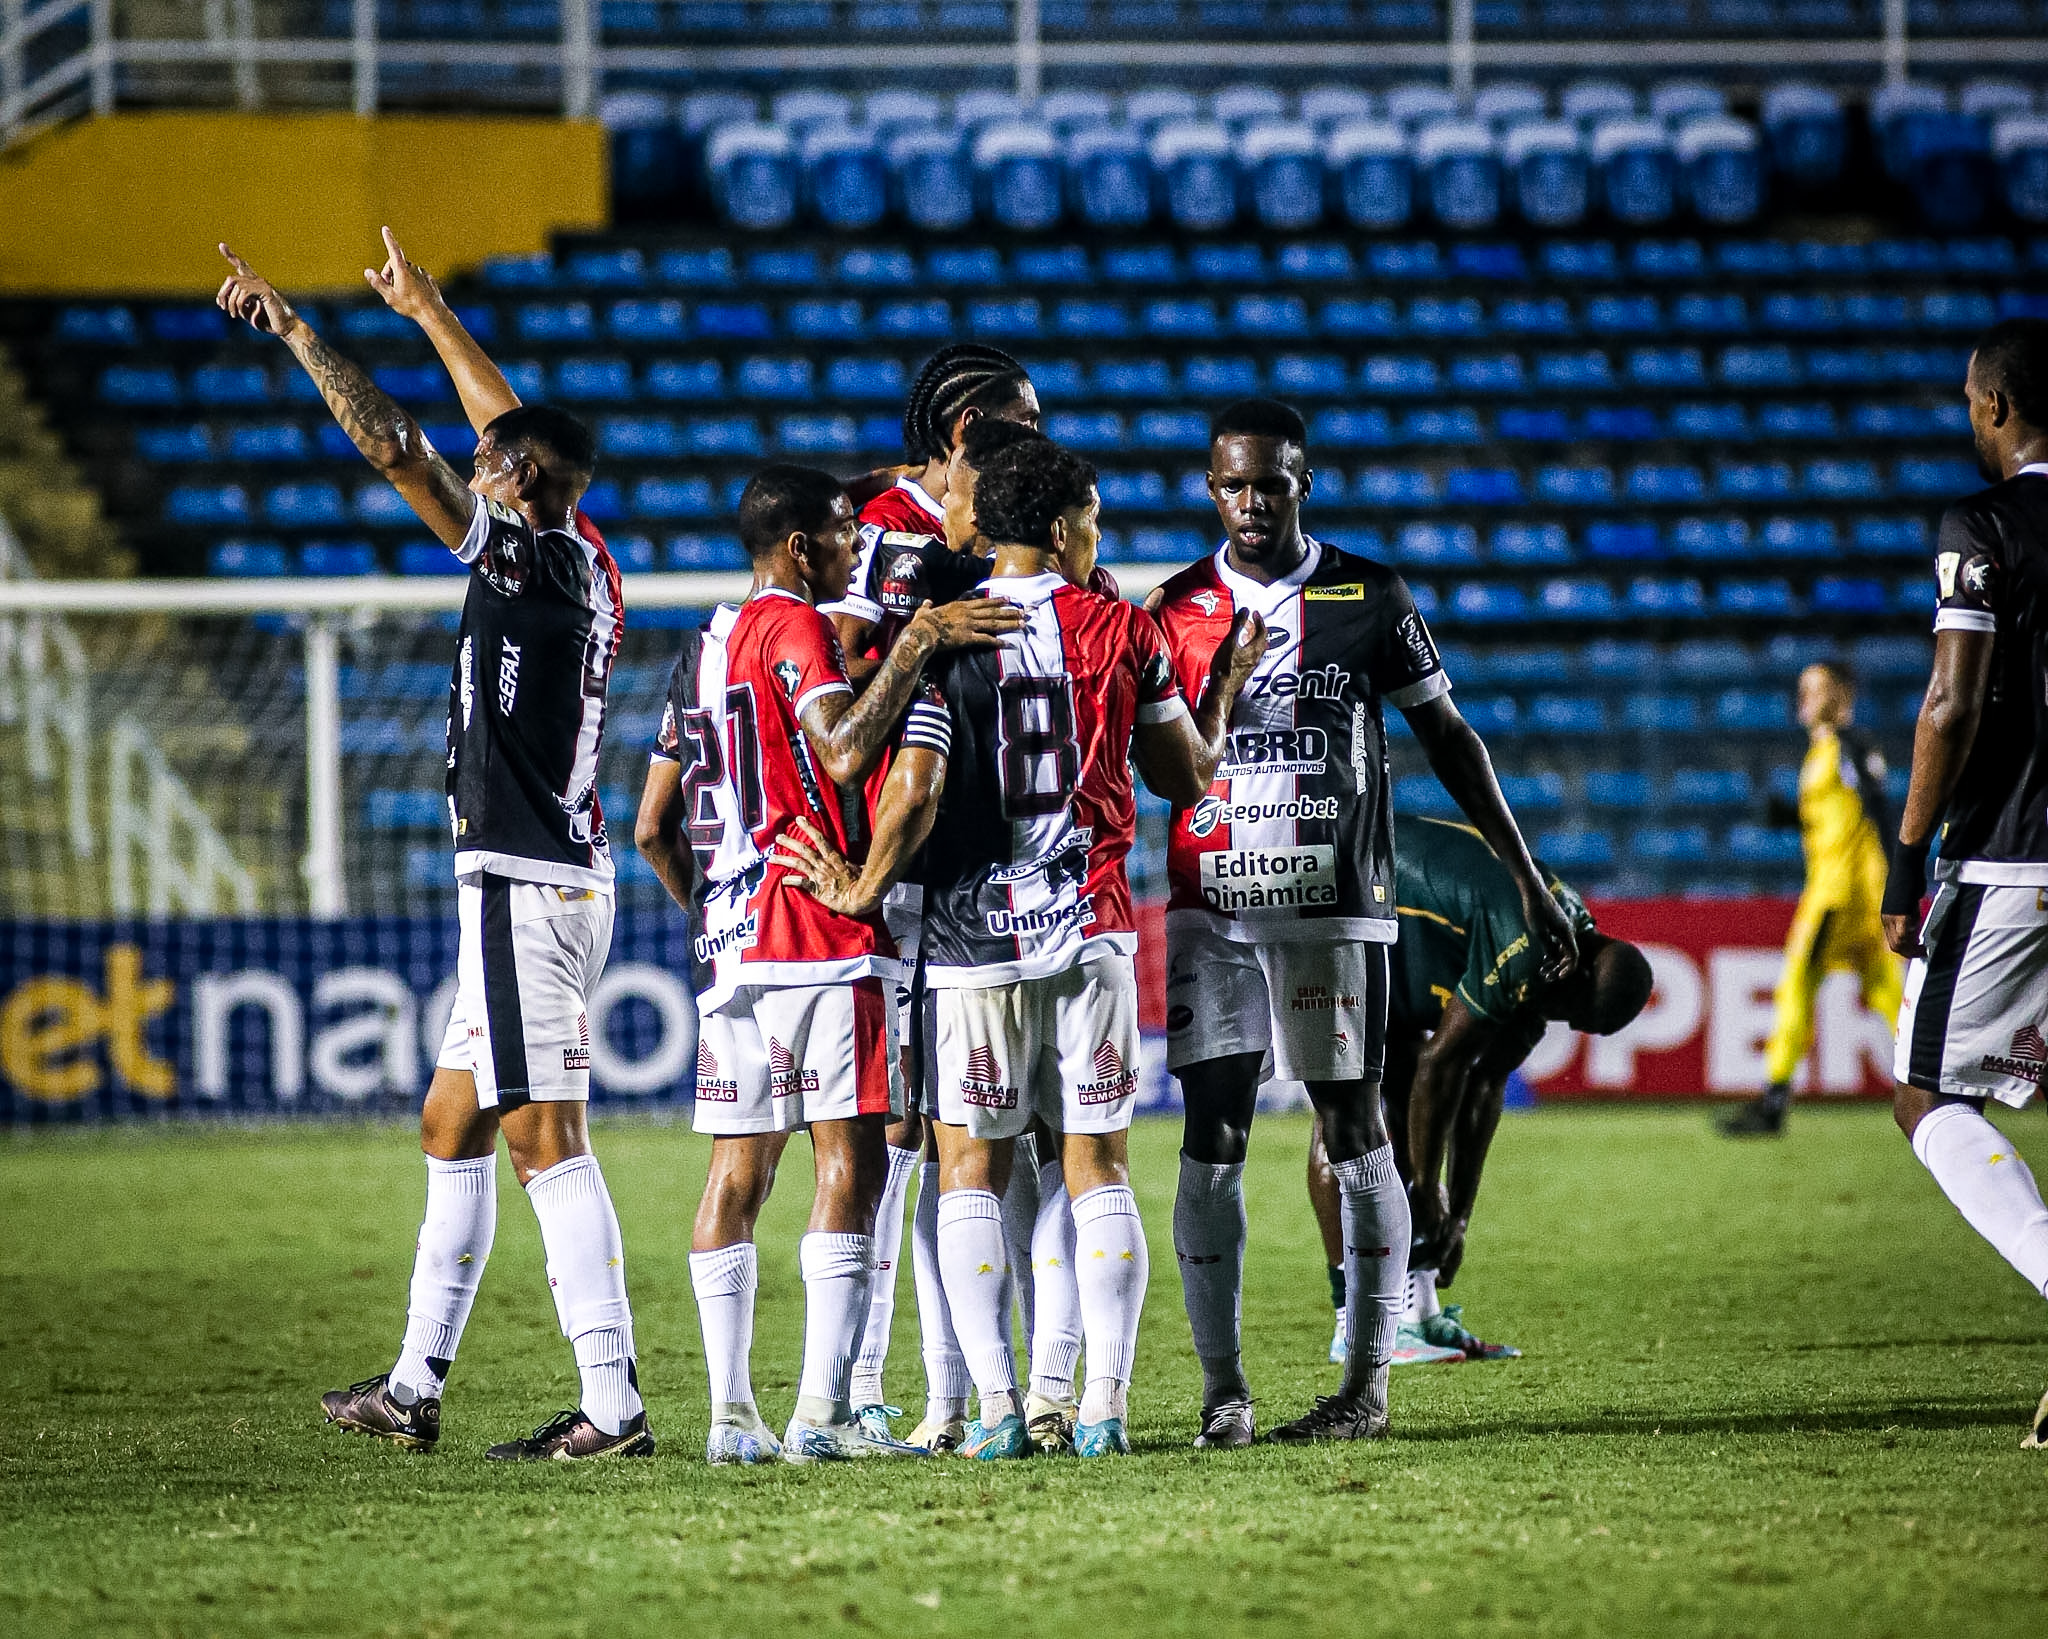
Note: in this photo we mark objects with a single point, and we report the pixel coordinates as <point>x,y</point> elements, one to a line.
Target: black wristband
<point>1905,885</point>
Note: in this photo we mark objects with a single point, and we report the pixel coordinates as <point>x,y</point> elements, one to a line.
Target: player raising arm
<point>1281,906</point>
<point>1016,776</point>
<point>540,627</point>
<point>1977,986</point>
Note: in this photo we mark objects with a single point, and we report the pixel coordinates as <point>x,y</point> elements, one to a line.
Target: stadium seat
<point>752,171</point>
<point>228,386</point>
<point>1751,844</point>
<point>711,268</point>
<point>1181,318</point>
<point>1109,177</point>
<point>1710,539</point>
<point>845,178</point>
<point>1247,104</point>
<point>1848,595</point>
<point>427,558</point>
<point>1327,106</point>
<point>337,558</point>
<point>1532,426</point>
<point>1578,848</point>
<point>813,435</point>
<point>1622,540</point>
<point>1575,486</point>
<point>593,380</point>
<point>1273,318</point>
<point>1589,102</point>
<point>1721,164</point>
<point>801,111</point>
<point>555,322</point>
<point>268,441</point>
<point>1547,174</point>
<point>1892,537</point>
<point>1488,373</point>
<point>1403,375</point>
<point>639,438</point>
<point>532,271</point>
<point>1433,546</point>
<point>1488,602</point>
<point>1574,599</point>
<point>1018,177</point>
<point>1935,479</point>
<point>1843,481</point>
<point>1207,377</point>
<point>1131,378</point>
<point>314,505</point>
<point>887,111</point>
<point>188,324</point>
<point>139,386</point>
<point>1282,168</point>
<point>1753,480</point>
<point>647,153</point>
<point>1623,790</point>
<point>842,320</point>
<point>1798,538</point>
<point>247,558</point>
<point>1752,711</point>
<point>776,378</point>
<point>1140,264</point>
<point>705,552</point>
<point>1459,169</point>
<point>1590,371</point>
<point>1423,794</point>
<point>698,379</point>
<point>1483,486</point>
<point>177,443</point>
<point>1433,316</point>
<point>1671,844</point>
<point>783,267</point>
<point>1539,793</point>
<point>723,436</point>
<point>1373,173</point>
<point>1350,429</point>
<point>2019,147</point>
<point>1634,171</point>
<point>1457,425</point>
<point>1808,420</point>
<point>637,321</point>
<point>1665,485</point>
<point>1807,132</point>
<point>930,179</point>
<point>111,326</point>
<point>1197,173</point>
<point>1711,660</point>
<point>1530,545</point>
<point>1508,104</point>
<point>1393,487</point>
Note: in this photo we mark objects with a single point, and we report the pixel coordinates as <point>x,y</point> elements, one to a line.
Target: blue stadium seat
<point>1197,171</point>
<point>1019,177</point>
<point>151,386</point>
<point>1844,481</point>
<point>1626,790</point>
<point>813,435</point>
<point>1666,368</point>
<point>178,442</point>
<point>390,810</point>
<point>1790,653</point>
<point>1488,602</point>
<point>1423,794</point>
<point>1807,132</point>
<point>645,321</point>
<point>1806,420</point>
<point>1208,377</point>
<point>1667,259</point>
<point>427,558</point>
<point>1752,711</point>
<point>776,378</point>
<point>1849,366</point>
<point>708,268</point>
<point>1239,262</point>
<point>623,268</point>
<point>1630,315</point>
<point>1457,425</point>
<point>408,383</point>
<point>1634,171</point>
<point>532,271</point>
<point>1578,848</point>
<point>635,555</point>
<point>753,175</point>
<point>1433,546</point>
<point>1086,429</point>
<point>1870,310</point>
<point>733,321</point>
<point>1589,371</point>
<point>1753,481</point>
<point>1180,545</point>
<point>1892,537</point>
<point>1141,491</point>
<point>1752,598</point>
<point>1363,318</point>
<point>1488,373</point>
<point>705,552</point>
<point>1517,667</point>
<point>1459,169</point>
<point>1530,545</point>
<point>1435,316</point>
<point>1350,429</point>
<point>1711,660</point>
<point>1393,487</point>
<point>268,441</point>
<point>1751,844</point>
<point>305,506</point>
<point>1939,479</point>
<point>1109,177</point>
<point>1273,318</point>
<point>1180,318</point>
<point>1373,173</point>
<point>1533,426</point>
<point>1660,714</point>
<point>337,558</point>
<point>1540,793</point>
<point>112,326</point>
<point>1575,486</point>
<point>784,267</point>
<point>1132,378</point>
<point>1710,539</point>
<point>1483,486</point>
<point>1317,262</point>
<point>592,380</point>
<point>247,558</point>
<point>1964,310</point>
<point>1058,378</point>
<point>188,324</point>
<point>2019,147</point>
<point>841,320</point>
<point>723,436</point>
<point>1007,318</point>
<point>1666,598</point>
<point>1141,265</point>
<point>377,504</point>
<point>1411,260</point>
<point>1716,423</point>
<point>1576,599</point>
<point>1622,541</point>
<point>845,178</point>
<point>1721,164</point>
<point>227,386</point>
<point>1534,316</point>
<point>699,379</point>
<point>1798,538</point>
<point>1849,595</point>
<point>1665,485</point>
<point>1495,716</point>
<point>1767,366</point>
<point>672,498</point>
<point>1547,175</point>
<point>1566,714</point>
<point>378,323</point>
<point>1398,374</point>
<point>1084,319</point>
<point>1282,170</point>
<point>639,438</point>
<point>864,380</point>
<point>1710,313</point>
<point>1671,844</point>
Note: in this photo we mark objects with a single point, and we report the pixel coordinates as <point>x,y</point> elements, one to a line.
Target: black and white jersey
<point>895,572</point>
<point>1991,570</point>
<point>1295,839</point>
<point>540,630</point>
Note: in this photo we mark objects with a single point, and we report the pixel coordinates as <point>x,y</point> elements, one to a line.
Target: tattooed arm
<point>390,439</point>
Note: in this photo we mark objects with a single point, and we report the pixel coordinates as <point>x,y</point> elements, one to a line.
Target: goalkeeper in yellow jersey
<point>1843,829</point>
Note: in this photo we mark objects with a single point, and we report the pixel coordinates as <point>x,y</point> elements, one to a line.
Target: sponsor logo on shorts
<point>1319,999</point>
<point>981,1083</point>
<point>786,1077</point>
<point>1211,812</point>
<point>1114,1079</point>
<point>578,1058</point>
<point>1275,751</point>
<point>1179,1018</point>
<point>740,936</point>
<point>713,1085</point>
<point>1254,879</point>
<point>1005,923</point>
<point>2029,1056</point>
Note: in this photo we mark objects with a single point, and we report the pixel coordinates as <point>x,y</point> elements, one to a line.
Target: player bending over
<point>1281,907</point>
<point>540,627</point>
<point>762,729</point>
<point>1842,831</point>
<point>1017,767</point>
<point>1466,1004</point>
<point>1970,1028</point>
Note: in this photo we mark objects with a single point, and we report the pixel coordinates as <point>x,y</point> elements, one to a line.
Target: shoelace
<point>369,1383</point>
<point>560,1423</point>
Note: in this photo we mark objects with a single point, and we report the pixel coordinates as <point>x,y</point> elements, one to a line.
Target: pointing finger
<point>237,263</point>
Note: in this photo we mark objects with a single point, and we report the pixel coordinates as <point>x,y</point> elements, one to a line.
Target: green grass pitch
<point>1769,1389</point>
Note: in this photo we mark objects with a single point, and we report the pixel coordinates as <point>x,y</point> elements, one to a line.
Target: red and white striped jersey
<point>1024,873</point>
<point>748,773</point>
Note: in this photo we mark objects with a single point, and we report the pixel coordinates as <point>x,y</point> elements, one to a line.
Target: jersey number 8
<point>1040,760</point>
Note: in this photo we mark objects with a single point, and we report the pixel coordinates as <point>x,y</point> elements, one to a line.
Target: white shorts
<point>774,1060</point>
<point>1977,1003</point>
<point>1319,1009</point>
<point>1064,1047</point>
<point>527,959</point>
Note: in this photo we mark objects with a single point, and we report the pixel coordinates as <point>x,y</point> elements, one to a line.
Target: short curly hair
<point>954,380</point>
<point>985,439</point>
<point>2012,358</point>
<point>1025,487</point>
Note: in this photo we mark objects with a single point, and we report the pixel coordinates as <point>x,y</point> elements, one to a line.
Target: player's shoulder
<point>1337,569</point>
<point>2012,510</point>
<point>1183,586</point>
<point>896,511</point>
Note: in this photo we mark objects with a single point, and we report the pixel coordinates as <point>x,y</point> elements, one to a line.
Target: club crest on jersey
<point>713,1085</point>
<point>1114,1079</point>
<point>903,582</point>
<point>1066,862</point>
<point>786,1077</point>
<point>789,675</point>
<point>2028,1057</point>
<point>1977,577</point>
<point>1207,602</point>
<point>981,1082</point>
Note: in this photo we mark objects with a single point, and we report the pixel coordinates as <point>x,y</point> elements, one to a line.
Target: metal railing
<point>88,78</point>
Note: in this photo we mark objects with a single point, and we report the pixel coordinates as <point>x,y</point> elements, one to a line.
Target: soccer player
<point>540,628</point>
<point>1842,827</point>
<point>1970,1028</point>
<point>1466,1005</point>
<point>797,1026</point>
<point>1018,769</point>
<point>1281,900</point>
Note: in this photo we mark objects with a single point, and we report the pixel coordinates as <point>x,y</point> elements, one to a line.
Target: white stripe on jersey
<point>929,727</point>
<point>1270,787</point>
<point>736,852</point>
<point>598,650</point>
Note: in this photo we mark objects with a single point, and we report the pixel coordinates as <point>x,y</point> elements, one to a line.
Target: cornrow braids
<point>951,382</point>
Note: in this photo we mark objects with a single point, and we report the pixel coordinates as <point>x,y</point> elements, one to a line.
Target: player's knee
<point>1219,1101</point>
<point>1909,1106</point>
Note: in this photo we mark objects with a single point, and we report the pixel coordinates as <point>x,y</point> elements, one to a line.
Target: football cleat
<point>875,1419</point>
<point>1340,1345</point>
<point>1754,1119</point>
<point>1333,1417</point>
<point>367,1408</point>
<point>839,1443</point>
<point>1007,1438</point>
<point>1050,1423</point>
<point>1104,1439</point>
<point>740,1437</point>
<point>571,1437</point>
<point>2037,1436</point>
<point>1413,1348</point>
<point>1226,1427</point>
<point>1447,1331</point>
<point>939,1436</point>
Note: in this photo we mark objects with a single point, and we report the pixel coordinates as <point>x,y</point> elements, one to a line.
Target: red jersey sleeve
<point>1159,700</point>
<point>804,657</point>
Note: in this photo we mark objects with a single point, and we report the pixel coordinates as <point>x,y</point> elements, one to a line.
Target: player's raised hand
<point>246,295</point>
<point>1240,652</point>
<point>1552,932</point>
<point>972,623</point>
<point>407,288</point>
<point>807,854</point>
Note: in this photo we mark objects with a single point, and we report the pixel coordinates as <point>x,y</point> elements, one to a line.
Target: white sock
<point>973,1258</point>
<point>1209,1234</point>
<point>725,1281</point>
<point>1421,1303</point>
<point>946,1378</point>
<point>1020,1217</point>
<point>1377,1227</point>
<point>587,1272</point>
<point>1111,1266</point>
<point>874,1339</point>
<point>837,1269</point>
<point>447,1266</point>
<point>1980,1171</point>
<point>1056,1299</point>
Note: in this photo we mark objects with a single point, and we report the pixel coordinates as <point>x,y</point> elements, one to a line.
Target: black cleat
<point>571,1437</point>
<point>1226,1427</point>
<point>1759,1118</point>
<point>367,1408</point>
<point>1333,1417</point>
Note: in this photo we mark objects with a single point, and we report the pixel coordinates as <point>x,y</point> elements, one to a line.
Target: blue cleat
<point>875,1419</point>
<point>1008,1438</point>
<point>839,1443</point>
<point>743,1442</point>
<point>1103,1439</point>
